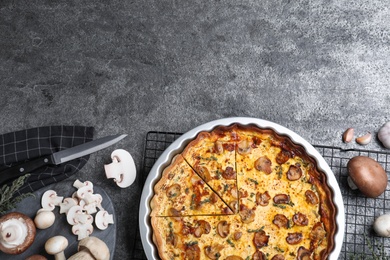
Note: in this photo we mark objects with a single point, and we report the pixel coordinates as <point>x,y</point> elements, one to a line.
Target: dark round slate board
<point>30,205</point>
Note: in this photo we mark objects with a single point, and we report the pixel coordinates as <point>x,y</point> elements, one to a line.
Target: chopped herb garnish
<point>230,243</point>
<point>279,206</point>
<point>191,243</point>
<point>253,180</point>
<point>279,249</point>
<point>255,230</point>
<point>211,158</point>
<point>279,171</point>
<point>205,201</point>
<point>225,187</point>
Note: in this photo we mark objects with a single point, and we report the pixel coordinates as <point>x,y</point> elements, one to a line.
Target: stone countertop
<point>315,67</point>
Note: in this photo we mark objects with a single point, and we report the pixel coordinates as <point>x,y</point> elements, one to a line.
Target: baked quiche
<point>243,192</point>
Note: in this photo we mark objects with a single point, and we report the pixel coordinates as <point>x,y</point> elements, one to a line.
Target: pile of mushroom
<point>79,210</point>
<point>89,248</point>
<point>17,233</point>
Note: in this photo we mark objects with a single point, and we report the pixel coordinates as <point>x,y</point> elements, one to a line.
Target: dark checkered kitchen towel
<point>17,147</point>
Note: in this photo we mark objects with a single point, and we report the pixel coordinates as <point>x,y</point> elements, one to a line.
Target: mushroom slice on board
<point>122,169</point>
<point>50,199</point>
<point>103,219</point>
<point>66,204</point>
<point>77,215</point>
<point>82,230</point>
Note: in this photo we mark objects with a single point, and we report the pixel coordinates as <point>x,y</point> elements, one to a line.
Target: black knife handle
<point>16,171</point>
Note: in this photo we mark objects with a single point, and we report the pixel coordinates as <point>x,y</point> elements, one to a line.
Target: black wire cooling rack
<point>360,242</point>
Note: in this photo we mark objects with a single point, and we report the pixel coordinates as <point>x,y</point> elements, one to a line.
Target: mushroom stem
<point>351,184</point>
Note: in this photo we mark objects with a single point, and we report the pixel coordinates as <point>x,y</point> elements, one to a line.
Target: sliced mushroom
<point>229,173</point>
<point>84,193</point>
<point>201,227</point>
<point>247,215</point>
<point>213,251</point>
<point>122,169</point>
<point>82,230</point>
<point>317,234</point>
<point>192,251</point>
<point>258,255</point>
<point>283,156</point>
<point>260,239</point>
<point>263,164</point>
<point>174,212</point>
<point>262,199</point>
<point>66,204</point>
<point>50,199</point>
<point>282,199</point>
<point>17,233</point>
<point>103,219</point>
<point>76,215</point>
<point>244,147</point>
<point>294,238</point>
<point>218,147</point>
<point>311,197</point>
<point>237,235</point>
<point>203,172</point>
<point>303,254</point>
<point>294,173</point>
<point>173,191</point>
<point>300,219</point>
<point>78,184</point>
<point>223,228</point>
<point>233,207</point>
<point>281,221</point>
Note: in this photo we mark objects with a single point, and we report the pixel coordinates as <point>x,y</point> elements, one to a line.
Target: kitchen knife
<point>58,157</point>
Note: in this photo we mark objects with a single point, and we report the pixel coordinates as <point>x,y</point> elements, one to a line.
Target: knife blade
<point>59,157</point>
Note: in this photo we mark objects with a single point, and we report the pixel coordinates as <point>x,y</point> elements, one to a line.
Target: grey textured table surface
<point>316,67</point>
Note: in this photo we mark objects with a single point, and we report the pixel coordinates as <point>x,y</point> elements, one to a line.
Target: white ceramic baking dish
<point>178,146</point>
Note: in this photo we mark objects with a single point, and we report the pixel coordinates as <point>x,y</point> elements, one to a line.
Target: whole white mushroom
<point>384,135</point>
<point>44,218</point>
<point>382,225</point>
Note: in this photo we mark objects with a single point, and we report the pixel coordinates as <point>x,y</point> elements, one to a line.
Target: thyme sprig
<point>377,252</point>
<point>8,200</point>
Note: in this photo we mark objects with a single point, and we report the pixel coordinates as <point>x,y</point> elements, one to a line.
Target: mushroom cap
<point>44,219</point>
<point>30,230</point>
<point>384,135</point>
<point>56,244</point>
<point>96,247</point>
<point>368,175</point>
<point>381,225</point>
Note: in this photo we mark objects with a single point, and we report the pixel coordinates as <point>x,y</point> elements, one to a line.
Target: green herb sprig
<point>8,200</point>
